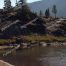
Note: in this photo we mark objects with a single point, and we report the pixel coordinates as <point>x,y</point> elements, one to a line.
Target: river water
<point>38,56</point>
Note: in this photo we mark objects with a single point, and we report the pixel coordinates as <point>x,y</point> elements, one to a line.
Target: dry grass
<point>34,37</point>
<point>44,38</point>
<point>4,41</point>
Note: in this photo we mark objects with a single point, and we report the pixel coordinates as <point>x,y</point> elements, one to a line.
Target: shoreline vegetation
<point>6,41</point>
<point>35,38</point>
<point>34,41</point>
<point>30,40</point>
<point>45,38</point>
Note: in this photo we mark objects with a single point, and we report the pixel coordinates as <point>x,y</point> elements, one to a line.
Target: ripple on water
<point>54,58</point>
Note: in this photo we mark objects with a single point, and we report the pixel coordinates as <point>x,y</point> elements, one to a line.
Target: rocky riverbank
<point>53,43</point>
<point>44,44</point>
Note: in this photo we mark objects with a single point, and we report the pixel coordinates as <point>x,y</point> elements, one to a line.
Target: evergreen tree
<point>47,13</point>
<point>16,3</point>
<point>40,14</point>
<point>7,4</point>
<point>36,13</point>
<point>21,2</point>
<point>54,10</point>
<point>24,13</point>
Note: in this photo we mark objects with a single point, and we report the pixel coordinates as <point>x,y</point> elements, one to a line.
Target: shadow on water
<point>38,56</point>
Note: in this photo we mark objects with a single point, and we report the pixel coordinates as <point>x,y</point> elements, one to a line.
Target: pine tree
<point>16,3</point>
<point>24,13</point>
<point>47,13</point>
<point>7,4</point>
<point>54,10</point>
<point>40,14</point>
<point>21,2</point>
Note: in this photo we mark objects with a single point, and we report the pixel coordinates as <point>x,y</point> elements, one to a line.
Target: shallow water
<point>38,56</point>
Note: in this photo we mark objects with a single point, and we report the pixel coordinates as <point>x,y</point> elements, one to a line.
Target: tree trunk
<point>55,16</point>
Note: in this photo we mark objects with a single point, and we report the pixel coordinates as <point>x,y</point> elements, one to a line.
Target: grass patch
<point>6,41</point>
<point>44,38</point>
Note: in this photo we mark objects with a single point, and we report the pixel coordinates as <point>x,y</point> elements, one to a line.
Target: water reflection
<point>38,56</point>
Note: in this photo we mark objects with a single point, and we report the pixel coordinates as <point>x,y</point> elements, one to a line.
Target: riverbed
<point>38,56</point>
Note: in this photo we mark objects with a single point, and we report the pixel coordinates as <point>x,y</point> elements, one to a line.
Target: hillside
<point>56,27</point>
<point>21,22</point>
<point>25,22</point>
<point>44,4</point>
